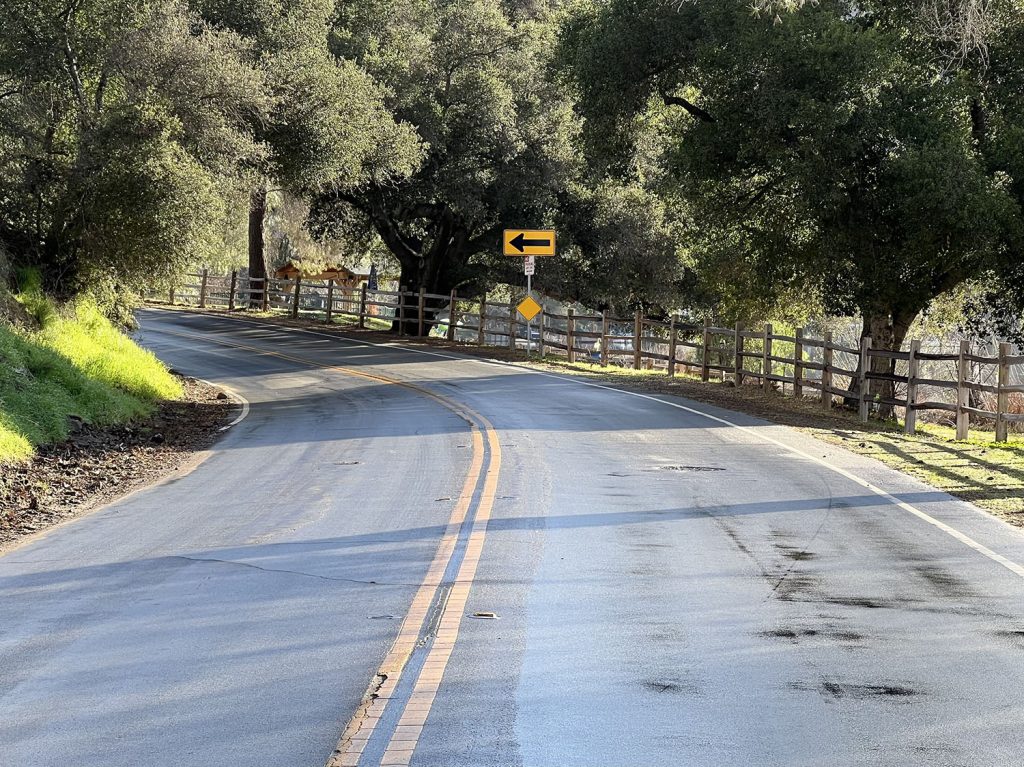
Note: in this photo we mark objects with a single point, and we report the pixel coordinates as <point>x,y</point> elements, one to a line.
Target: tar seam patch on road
<point>417,708</point>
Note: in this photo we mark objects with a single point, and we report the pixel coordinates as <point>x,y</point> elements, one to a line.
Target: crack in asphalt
<point>360,718</point>
<point>807,546</point>
<point>290,572</point>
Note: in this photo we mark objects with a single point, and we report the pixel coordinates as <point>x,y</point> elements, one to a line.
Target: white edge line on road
<point>952,531</point>
<point>239,399</point>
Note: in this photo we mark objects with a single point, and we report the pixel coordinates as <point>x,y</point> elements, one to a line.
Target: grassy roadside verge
<point>983,472</point>
<point>76,365</point>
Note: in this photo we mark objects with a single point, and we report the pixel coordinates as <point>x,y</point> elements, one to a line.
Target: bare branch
<point>72,64</point>
<point>962,28</point>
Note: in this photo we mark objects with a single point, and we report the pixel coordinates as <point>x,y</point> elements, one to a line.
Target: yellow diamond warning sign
<point>529,308</point>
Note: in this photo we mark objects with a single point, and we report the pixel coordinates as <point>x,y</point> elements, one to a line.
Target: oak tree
<point>837,148</point>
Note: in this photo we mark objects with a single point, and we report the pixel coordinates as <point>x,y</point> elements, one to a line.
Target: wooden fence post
<point>452,318</point>
<point>798,364</point>
<point>705,354</point>
<point>362,307</point>
<point>330,301</point>
<point>511,325</point>
<point>540,334</point>
<point>865,384</point>
<point>1003,397</point>
<point>913,369</point>
<point>480,337</point>
<point>638,329</point>
<point>963,418</point>
<point>202,288</point>
<point>421,308</point>
<point>265,301</point>
<point>739,344</point>
<point>766,363</point>
<point>295,301</point>
<point>170,296</point>
<point>826,373</point>
<point>401,309</point>
<point>570,336</point>
<point>604,338</point>
<point>672,346</point>
<point>234,286</point>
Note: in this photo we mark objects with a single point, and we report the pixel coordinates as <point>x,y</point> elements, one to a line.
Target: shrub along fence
<point>772,361</point>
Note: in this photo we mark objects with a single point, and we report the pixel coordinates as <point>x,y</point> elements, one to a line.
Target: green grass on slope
<point>77,364</point>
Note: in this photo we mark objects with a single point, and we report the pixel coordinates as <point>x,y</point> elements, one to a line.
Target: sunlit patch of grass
<point>612,369</point>
<point>106,354</point>
<point>77,364</point>
<point>13,444</point>
<point>371,323</point>
<point>987,473</point>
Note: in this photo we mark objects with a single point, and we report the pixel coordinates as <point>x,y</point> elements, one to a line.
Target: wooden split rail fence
<point>761,356</point>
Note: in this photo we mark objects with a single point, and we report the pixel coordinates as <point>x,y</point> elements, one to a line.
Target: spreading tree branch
<point>690,107</point>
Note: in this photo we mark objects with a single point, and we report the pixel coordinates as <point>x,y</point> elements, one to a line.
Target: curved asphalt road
<point>670,589</point>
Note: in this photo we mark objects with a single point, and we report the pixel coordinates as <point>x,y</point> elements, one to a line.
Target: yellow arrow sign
<point>529,242</point>
<point>529,308</point>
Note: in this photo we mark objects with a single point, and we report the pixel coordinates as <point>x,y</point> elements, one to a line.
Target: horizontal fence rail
<point>741,355</point>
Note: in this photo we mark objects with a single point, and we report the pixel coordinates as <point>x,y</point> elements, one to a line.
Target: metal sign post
<point>529,266</point>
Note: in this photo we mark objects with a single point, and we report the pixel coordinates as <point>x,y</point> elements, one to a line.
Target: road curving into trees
<point>408,556</point>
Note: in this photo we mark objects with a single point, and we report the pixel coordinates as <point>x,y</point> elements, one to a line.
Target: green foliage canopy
<point>833,149</point>
<point>117,121</point>
<point>498,135</point>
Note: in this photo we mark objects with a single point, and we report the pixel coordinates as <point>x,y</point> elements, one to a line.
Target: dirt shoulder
<point>98,465</point>
<point>988,474</point>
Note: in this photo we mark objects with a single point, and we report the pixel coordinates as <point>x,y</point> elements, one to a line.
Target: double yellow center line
<point>432,620</point>
<point>443,615</point>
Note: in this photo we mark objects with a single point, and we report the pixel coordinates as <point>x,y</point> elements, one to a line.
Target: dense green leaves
<point>620,250</point>
<point>329,128</point>
<point>498,134</point>
<point>713,154</point>
<point>115,125</point>
<point>127,130</point>
<point>831,148</point>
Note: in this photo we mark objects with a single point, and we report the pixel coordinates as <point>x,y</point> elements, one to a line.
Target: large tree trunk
<point>432,272</point>
<point>257,249</point>
<point>887,331</point>
<point>423,275</point>
<point>435,262</point>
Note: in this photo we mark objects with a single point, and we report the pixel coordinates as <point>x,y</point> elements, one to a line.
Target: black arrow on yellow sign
<point>528,242</point>
<point>521,243</point>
